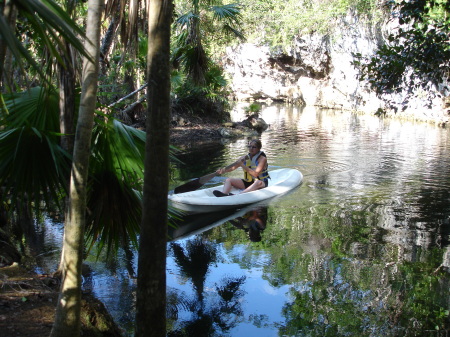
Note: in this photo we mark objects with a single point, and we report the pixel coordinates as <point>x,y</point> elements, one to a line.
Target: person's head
<point>254,231</point>
<point>255,144</point>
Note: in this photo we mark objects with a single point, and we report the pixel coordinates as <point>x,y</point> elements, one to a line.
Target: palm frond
<point>230,12</point>
<point>116,175</point>
<point>37,107</point>
<point>196,63</point>
<point>33,166</point>
<point>176,79</point>
<point>185,20</point>
<point>16,47</point>
<point>120,148</point>
<point>229,30</point>
<point>48,19</point>
<point>53,17</point>
<point>115,184</point>
<point>114,212</point>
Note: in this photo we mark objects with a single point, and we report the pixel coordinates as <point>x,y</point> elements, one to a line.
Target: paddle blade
<point>188,187</point>
<point>194,184</point>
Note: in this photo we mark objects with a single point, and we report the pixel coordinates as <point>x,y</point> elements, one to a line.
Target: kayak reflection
<point>253,223</point>
<point>251,219</point>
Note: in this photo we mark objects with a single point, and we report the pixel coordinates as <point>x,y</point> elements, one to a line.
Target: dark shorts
<point>247,184</point>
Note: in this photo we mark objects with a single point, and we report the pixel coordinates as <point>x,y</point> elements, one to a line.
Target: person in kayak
<point>255,168</point>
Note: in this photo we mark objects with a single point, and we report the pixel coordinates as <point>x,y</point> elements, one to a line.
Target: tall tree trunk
<point>151,287</point>
<point>67,320</point>
<point>67,90</point>
<point>9,12</point>
<point>108,39</point>
<point>67,101</point>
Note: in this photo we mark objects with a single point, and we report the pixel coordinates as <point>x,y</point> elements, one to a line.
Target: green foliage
<point>31,160</point>
<point>417,53</point>
<point>50,22</point>
<point>35,169</point>
<point>199,23</point>
<point>278,22</point>
<point>116,175</point>
<point>252,108</point>
<point>208,100</point>
<point>421,288</point>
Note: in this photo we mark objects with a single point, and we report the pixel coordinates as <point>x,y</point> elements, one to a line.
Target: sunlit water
<point>361,248</point>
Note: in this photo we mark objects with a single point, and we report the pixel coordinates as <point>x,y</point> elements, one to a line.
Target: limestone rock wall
<point>317,71</point>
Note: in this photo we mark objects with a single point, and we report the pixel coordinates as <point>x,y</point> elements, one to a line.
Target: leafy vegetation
<point>343,278</point>
<point>31,158</point>
<point>31,136</point>
<point>199,27</point>
<point>34,32</point>
<point>417,53</point>
<point>278,22</point>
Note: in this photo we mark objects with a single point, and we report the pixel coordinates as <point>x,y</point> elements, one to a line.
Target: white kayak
<point>204,201</point>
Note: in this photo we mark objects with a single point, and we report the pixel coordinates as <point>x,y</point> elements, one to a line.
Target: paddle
<point>198,182</point>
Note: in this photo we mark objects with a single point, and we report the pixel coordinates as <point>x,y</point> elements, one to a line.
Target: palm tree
<point>67,88</point>
<point>193,28</point>
<point>68,310</point>
<point>151,287</point>
<point>194,262</point>
<point>30,138</point>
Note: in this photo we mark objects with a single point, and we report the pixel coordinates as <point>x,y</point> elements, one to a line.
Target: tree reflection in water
<point>222,311</point>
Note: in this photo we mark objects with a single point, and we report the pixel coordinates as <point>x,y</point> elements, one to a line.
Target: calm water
<point>361,248</point>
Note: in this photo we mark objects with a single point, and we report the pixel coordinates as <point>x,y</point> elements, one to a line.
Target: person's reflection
<point>253,222</point>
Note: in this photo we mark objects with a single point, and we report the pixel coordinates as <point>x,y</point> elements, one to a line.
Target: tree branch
<point>129,95</point>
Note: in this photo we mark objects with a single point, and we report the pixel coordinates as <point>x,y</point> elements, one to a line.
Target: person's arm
<point>231,167</point>
<point>256,172</point>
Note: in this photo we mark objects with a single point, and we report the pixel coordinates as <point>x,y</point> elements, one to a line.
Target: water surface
<point>361,248</point>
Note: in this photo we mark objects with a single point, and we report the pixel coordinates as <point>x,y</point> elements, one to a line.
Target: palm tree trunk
<point>151,288</point>
<point>67,320</point>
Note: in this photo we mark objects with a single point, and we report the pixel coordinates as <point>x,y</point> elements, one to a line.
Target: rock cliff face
<point>318,71</point>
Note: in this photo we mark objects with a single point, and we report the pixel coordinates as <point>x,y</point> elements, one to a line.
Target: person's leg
<point>257,185</point>
<point>232,182</point>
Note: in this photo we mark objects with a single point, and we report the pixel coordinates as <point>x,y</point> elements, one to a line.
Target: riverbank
<point>28,301</point>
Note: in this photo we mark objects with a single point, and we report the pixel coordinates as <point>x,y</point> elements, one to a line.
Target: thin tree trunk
<point>67,90</point>
<point>7,10</point>
<point>151,288</point>
<point>67,319</point>
<point>108,39</point>
<point>8,67</point>
<point>67,101</point>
